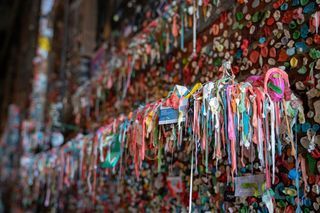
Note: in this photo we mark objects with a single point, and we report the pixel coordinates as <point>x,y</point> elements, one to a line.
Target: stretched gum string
<point>225,122</point>
<point>83,166</point>
<point>60,186</point>
<point>255,123</point>
<point>293,149</point>
<point>143,138</point>
<point>297,165</point>
<point>130,69</point>
<point>99,135</point>
<point>261,135</point>
<point>206,154</point>
<point>273,139</point>
<point>194,28</point>
<point>191,183</point>
<point>47,199</point>
<point>260,143</point>
<point>242,162</point>
<point>259,97</point>
<point>175,30</point>
<point>135,151</point>
<point>218,141</point>
<point>267,145</point>
<point>122,138</point>
<point>94,169</point>
<point>223,136</point>
<point>231,135</point>
<point>68,169</point>
<point>317,21</point>
<point>196,121</point>
<point>304,172</point>
<point>204,136</point>
<point>268,182</point>
<point>182,32</point>
<point>219,134</point>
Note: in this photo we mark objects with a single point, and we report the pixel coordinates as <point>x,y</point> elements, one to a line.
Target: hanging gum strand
<point>293,150</point>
